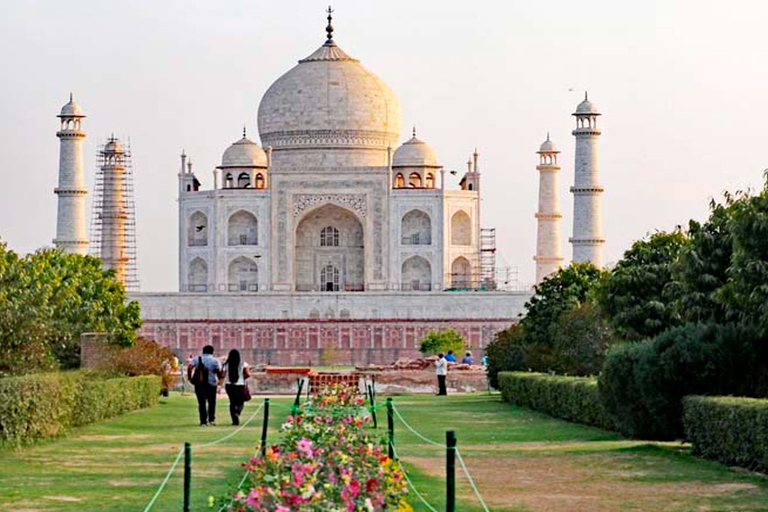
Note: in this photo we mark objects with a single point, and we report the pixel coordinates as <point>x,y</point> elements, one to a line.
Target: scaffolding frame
<point>126,208</point>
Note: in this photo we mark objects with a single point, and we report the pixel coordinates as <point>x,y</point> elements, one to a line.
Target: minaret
<point>70,218</point>
<point>548,256</point>
<point>587,236</point>
<point>114,213</point>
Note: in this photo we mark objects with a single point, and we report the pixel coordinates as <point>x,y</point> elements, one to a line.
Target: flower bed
<point>327,460</point>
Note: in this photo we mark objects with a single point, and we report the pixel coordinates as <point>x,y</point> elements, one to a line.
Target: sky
<point>681,85</point>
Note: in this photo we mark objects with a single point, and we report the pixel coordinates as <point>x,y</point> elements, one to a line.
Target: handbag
<point>246,393</point>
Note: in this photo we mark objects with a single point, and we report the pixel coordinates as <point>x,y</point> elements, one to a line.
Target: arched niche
<point>197,230</point>
<point>243,275</point>
<point>197,275</point>
<point>461,274</point>
<point>461,229</point>
<point>416,228</point>
<point>416,274</point>
<point>242,229</point>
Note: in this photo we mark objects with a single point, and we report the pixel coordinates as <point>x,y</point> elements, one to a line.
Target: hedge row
<point>570,398</point>
<point>40,406</point>
<point>731,430</point>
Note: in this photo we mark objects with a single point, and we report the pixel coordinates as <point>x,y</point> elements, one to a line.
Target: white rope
<point>430,441</point>
<point>234,432</point>
<point>165,480</point>
<point>471,481</point>
<point>410,484</point>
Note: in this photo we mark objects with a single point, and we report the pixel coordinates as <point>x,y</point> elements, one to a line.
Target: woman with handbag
<point>235,373</point>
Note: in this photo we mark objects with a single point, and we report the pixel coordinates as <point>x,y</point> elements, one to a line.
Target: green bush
<point>731,430</point>
<point>642,385</point>
<point>570,398</point>
<point>442,341</point>
<point>40,406</point>
<point>505,353</point>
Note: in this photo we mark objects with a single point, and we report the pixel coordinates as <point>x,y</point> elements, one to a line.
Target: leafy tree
<point>580,340</point>
<point>745,295</point>
<point>564,291</point>
<point>506,353</point>
<point>442,341</point>
<point>48,299</point>
<point>632,294</point>
<point>701,269</point>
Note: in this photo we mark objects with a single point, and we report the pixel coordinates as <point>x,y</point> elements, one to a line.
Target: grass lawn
<point>520,460</point>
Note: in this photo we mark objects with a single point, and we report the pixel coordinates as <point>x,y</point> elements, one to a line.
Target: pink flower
<point>253,498</point>
<point>281,508</point>
<point>304,446</point>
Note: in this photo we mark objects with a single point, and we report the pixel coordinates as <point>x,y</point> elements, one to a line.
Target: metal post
<point>373,406</point>
<point>264,427</point>
<point>450,471</point>
<point>297,401</point>
<point>390,429</point>
<point>187,474</point>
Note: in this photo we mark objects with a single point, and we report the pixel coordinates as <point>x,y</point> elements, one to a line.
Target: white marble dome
<point>329,100</point>
<point>71,109</point>
<point>415,153</point>
<point>548,146</point>
<point>113,145</point>
<point>586,107</point>
<point>244,153</point>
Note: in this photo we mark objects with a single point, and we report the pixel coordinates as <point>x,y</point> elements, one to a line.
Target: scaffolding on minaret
<point>113,219</point>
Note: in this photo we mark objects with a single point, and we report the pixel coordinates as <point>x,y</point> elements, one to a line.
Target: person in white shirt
<point>441,369</point>
<point>235,373</point>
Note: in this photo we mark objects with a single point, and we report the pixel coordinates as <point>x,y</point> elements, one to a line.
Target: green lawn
<point>520,460</point>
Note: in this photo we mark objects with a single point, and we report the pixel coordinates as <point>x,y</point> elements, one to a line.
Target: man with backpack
<point>204,372</point>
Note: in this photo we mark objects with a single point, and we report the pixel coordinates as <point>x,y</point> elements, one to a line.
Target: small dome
<point>586,107</point>
<point>548,147</point>
<point>244,153</point>
<point>415,153</point>
<point>113,145</point>
<point>71,109</point>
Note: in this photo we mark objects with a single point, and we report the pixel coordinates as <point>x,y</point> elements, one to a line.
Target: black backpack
<point>200,375</point>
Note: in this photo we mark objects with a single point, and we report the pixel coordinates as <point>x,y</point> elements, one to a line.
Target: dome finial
<point>414,131</point>
<point>329,28</point>
<point>71,98</point>
<point>548,137</point>
<point>586,96</point>
<point>244,133</point>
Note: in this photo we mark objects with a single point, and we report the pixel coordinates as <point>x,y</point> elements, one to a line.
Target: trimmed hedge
<point>40,406</point>
<point>731,430</point>
<point>570,398</point>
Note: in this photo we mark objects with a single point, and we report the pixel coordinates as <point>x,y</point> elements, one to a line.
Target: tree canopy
<point>48,299</point>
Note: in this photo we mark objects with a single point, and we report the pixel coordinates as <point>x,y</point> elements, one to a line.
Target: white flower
<point>369,505</point>
<point>309,492</point>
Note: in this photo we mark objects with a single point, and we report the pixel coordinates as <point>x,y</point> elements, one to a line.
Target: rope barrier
<point>165,480</point>
<point>234,432</point>
<point>471,481</point>
<point>410,484</point>
<point>409,427</point>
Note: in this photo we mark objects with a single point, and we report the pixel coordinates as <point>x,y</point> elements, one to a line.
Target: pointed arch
<point>243,275</point>
<point>399,180</point>
<point>461,229</point>
<point>416,274</point>
<point>461,273</point>
<point>242,229</point>
<point>414,180</point>
<point>243,180</point>
<point>416,228</point>
<point>197,230</point>
<point>197,275</point>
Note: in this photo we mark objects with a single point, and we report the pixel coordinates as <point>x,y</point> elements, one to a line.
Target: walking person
<point>204,372</point>
<point>235,373</point>
<point>441,369</point>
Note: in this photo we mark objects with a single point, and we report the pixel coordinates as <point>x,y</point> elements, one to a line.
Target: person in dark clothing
<point>235,372</point>
<point>204,372</point>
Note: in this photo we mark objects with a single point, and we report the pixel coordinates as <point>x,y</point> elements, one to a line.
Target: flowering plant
<point>327,460</point>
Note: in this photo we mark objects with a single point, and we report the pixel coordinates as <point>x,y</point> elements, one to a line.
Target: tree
<point>506,353</point>
<point>632,294</point>
<point>566,290</point>
<point>580,340</point>
<point>48,299</point>
<point>442,341</point>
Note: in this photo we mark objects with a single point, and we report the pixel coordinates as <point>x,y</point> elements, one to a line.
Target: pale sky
<point>681,85</point>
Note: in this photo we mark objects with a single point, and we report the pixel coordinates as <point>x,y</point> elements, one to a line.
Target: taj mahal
<point>332,232</point>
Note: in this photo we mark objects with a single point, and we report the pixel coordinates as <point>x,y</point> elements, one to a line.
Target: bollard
<point>187,474</point>
<point>390,429</point>
<point>297,401</point>
<point>373,406</point>
<point>264,427</point>
<point>450,471</point>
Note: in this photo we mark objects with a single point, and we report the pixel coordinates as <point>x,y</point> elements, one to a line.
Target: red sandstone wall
<point>301,342</point>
